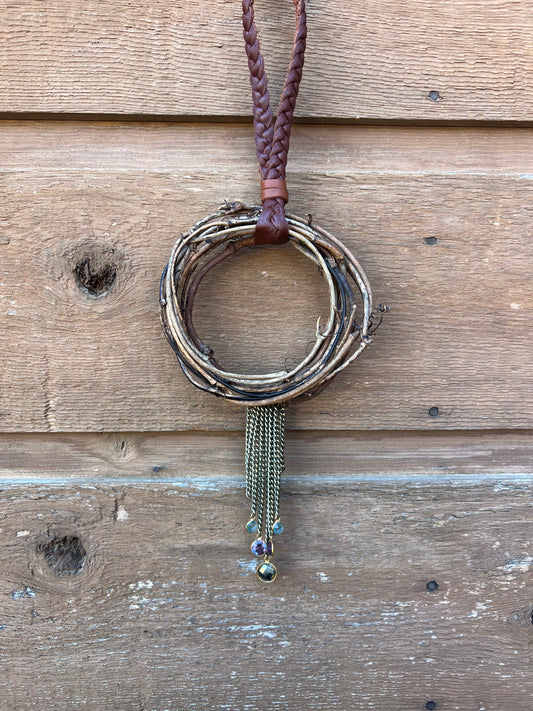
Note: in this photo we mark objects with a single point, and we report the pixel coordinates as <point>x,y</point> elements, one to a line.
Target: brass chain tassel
<point>264,463</point>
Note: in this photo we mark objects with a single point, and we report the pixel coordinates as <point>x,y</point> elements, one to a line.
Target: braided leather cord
<point>272,138</point>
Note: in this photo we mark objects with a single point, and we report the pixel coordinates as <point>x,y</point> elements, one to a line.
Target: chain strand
<point>265,429</point>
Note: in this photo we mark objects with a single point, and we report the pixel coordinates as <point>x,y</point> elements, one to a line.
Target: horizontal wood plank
<point>407,60</point>
<point>440,219</point>
<point>146,596</point>
<point>200,457</point>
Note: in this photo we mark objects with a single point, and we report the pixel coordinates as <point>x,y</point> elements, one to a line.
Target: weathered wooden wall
<point>125,581</point>
<point>403,60</point>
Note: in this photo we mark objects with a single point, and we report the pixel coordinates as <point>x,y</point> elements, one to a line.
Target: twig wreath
<point>221,235</point>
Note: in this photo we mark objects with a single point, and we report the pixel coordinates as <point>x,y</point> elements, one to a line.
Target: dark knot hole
<point>95,274</point>
<point>64,555</point>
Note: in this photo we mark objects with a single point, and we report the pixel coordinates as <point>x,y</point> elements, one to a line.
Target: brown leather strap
<point>272,138</point>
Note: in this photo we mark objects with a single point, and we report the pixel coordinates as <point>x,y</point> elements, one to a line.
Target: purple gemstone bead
<point>259,547</point>
<point>269,548</point>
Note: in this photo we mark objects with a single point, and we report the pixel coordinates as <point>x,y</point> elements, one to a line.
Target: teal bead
<point>278,527</point>
<point>252,526</point>
<point>267,572</point>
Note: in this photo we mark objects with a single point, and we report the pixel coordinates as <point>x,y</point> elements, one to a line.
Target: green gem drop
<point>267,572</point>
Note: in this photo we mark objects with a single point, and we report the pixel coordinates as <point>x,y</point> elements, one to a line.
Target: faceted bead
<point>278,527</point>
<point>269,548</point>
<point>259,547</point>
<point>267,572</point>
<point>252,526</point>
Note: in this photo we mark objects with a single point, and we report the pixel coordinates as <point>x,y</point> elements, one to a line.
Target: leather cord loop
<point>272,138</point>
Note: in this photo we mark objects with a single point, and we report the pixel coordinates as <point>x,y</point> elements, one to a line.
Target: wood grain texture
<point>80,199</point>
<point>126,581</point>
<point>137,458</point>
<point>165,611</point>
<point>370,61</point>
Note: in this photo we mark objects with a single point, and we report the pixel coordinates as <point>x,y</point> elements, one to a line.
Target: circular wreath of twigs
<point>221,235</point>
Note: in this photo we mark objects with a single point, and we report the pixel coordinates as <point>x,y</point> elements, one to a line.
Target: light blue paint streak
<point>199,484</point>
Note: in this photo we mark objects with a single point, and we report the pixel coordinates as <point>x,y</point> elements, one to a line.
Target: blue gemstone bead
<point>252,526</point>
<point>278,527</point>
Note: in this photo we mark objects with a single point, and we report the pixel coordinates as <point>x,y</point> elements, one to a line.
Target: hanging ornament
<point>219,236</point>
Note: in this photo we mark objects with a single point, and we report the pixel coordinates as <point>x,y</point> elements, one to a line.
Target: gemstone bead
<point>267,572</point>
<point>259,547</point>
<point>278,527</point>
<point>269,548</point>
<point>252,526</point>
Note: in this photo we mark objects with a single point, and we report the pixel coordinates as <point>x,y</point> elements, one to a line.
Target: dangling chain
<point>265,435</point>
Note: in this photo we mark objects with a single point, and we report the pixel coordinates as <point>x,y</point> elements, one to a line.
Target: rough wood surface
<point>126,581</point>
<point>134,457</point>
<point>144,597</point>
<point>440,219</point>
<point>407,60</point>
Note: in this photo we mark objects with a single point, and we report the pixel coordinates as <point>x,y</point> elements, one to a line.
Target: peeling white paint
<point>20,534</point>
<point>251,631</point>
<point>139,601</point>
<point>250,628</point>
<point>141,584</point>
<point>518,565</point>
<point>142,602</point>
<point>122,514</point>
<point>247,566</point>
<point>323,577</point>
<point>480,607</point>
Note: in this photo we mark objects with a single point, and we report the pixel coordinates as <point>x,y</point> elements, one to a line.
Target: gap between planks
<point>134,118</point>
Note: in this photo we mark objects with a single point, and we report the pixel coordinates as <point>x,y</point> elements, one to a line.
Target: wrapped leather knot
<point>272,227</point>
<point>276,188</point>
<point>272,139</point>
